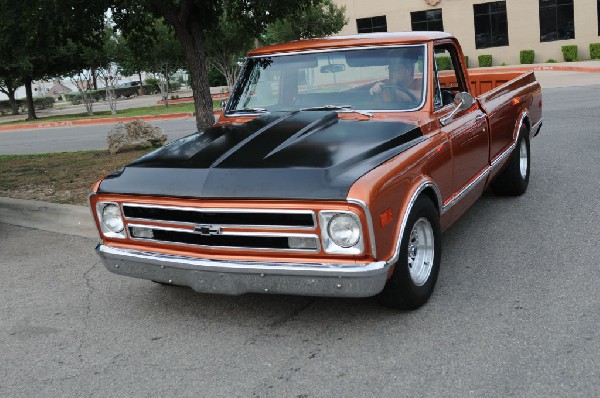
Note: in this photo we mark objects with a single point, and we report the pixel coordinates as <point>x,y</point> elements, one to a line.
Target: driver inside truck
<point>401,85</point>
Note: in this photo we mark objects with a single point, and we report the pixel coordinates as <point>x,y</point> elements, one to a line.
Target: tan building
<point>499,28</point>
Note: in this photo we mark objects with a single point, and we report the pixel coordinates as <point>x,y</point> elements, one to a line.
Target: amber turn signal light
<point>386,217</point>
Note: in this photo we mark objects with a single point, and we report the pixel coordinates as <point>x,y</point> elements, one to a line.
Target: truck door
<point>466,131</point>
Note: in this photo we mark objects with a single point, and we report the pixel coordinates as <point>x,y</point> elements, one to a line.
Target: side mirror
<point>223,104</point>
<point>463,102</point>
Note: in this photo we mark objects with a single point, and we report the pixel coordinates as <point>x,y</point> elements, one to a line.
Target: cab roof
<point>365,39</point>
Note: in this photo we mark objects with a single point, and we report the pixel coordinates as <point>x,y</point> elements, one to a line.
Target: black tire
<point>401,291</point>
<point>511,182</point>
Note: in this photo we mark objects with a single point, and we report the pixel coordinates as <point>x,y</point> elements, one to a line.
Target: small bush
<point>485,61</point>
<point>467,61</point>
<point>551,61</point>
<point>174,86</point>
<point>443,63</point>
<point>151,81</point>
<point>570,53</point>
<point>43,102</point>
<point>595,50</point>
<point>126,91</point>
<point>527,56</point>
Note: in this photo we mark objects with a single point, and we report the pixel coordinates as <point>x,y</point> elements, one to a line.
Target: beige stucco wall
<point>458,18</point>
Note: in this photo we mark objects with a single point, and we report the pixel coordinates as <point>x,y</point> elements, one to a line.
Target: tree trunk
<point>192,41</point>
<point>13,102</point>
<point>30,108</point>
<point>94,81</point>
<point>141,83</point>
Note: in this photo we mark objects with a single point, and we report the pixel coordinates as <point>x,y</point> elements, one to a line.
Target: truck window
<point>448,80</point>
<point>389,78</point>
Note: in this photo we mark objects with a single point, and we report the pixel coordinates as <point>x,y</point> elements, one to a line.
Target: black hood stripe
<point>252,136</point>
<point>299,155</point>
<point>312,128</point>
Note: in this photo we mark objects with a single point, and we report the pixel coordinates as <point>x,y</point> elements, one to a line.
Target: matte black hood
<point>297,155</point>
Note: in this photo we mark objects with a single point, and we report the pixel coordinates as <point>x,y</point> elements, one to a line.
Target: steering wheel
<point>406,91</point>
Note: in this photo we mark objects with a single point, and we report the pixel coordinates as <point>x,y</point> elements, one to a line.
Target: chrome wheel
<point>523,159</point>
<point>421,251</point>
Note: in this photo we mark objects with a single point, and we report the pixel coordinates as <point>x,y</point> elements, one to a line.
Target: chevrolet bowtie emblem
<point>207,230</point>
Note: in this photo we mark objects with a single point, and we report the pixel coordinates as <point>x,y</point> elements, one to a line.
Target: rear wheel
<point>514,179</point>
<point>416,271</point>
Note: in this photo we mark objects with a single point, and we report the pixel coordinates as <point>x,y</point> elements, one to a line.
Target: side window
<point>448,79</point>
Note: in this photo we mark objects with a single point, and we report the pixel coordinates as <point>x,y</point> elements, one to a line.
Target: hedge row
<point>100,95</point>
<point>38,103</point>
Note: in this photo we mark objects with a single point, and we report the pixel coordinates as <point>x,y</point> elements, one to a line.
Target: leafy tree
<point>316,18</point>
<point>225,47</point>
<point>8,86</point>
<point>192,22</point>
<point>165,57</point>
<point>44,38</point>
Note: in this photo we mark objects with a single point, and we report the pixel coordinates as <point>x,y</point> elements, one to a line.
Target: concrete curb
<point>82,122</point>
<point>53,217</point>
<point>546,67</point>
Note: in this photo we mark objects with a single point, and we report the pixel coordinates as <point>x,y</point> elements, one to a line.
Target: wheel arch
<point>426,188</point>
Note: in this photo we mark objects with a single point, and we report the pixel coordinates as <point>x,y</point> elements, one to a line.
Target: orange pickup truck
<point>333,170</point>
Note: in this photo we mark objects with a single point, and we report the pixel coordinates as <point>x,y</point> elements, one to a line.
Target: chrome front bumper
<point>226,277</point>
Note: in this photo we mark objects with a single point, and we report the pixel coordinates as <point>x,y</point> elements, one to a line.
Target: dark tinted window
<point>427,20</point>
<point>598,12</point>
<point>556,20</point>
<point>370,25</point>
<point>491,24</point>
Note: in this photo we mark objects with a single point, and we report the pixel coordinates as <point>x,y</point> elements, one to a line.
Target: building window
<point>491,24</point>
<point>556,20</point>
<point>598,12</point>
<point>370,25</point>
<point>428,20</point>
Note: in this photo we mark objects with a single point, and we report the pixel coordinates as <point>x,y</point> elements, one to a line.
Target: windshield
<point>389,78</point>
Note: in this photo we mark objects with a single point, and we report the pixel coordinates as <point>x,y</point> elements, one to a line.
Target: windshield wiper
<point>343,108</point>
<point>249,110</point>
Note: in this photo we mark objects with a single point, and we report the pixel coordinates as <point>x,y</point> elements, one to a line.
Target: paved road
<point>78,138</point>
<point>516,311</point>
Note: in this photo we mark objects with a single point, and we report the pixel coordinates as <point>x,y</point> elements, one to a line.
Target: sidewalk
<point>581,66</point>
<point>107,120</point>
<point>53,217</point>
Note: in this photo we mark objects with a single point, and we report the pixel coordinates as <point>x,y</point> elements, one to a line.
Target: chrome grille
<point>298,219</point>
<point>223,228</point>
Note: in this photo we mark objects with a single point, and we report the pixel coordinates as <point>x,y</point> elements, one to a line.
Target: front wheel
<point>417,268</point>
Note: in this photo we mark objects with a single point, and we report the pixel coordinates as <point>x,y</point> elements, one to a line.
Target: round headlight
<point>111,218</point>
<point>344,230</point>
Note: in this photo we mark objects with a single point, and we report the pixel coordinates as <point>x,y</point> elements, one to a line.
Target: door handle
<point>480,117</point>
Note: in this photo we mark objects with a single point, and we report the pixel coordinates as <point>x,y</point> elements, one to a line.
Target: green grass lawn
<point>150,110</point>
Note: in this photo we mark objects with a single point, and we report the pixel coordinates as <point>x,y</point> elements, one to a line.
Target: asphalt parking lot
<point>516,311</point>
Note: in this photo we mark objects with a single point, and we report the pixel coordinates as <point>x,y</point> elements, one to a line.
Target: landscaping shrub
<point>570,53</point>
<point>443,63</point>
<point>43,102</point>
<point>595,50</point>
<point>467,61</point>
<point>485,61</point>
<point>126,91</point>
<point>174,86</point>
<point>551,61</point>
<point>75,96</point>
<point>527,56</point>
